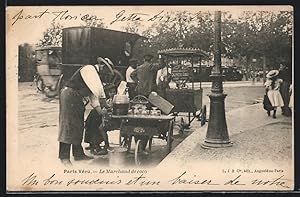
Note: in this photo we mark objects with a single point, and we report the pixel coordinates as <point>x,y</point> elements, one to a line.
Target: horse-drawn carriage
<point>83,45</point>
<point>48,60</point>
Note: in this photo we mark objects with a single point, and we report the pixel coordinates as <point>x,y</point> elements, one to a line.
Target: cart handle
<point>139,99</point>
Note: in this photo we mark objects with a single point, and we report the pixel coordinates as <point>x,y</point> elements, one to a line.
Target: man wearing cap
<point>131,84</point>
<point>85,83</point>
<point>145,76</point>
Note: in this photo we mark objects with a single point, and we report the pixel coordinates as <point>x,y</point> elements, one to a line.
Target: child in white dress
<point>272,85</point>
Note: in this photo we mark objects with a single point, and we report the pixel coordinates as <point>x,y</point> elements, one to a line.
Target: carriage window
<point>127,49</point>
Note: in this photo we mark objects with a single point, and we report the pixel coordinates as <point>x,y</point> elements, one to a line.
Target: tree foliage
<point>52,36</point>
<point>252,35</point>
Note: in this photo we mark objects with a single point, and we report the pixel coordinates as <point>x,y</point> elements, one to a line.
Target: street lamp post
<point>217,133</point>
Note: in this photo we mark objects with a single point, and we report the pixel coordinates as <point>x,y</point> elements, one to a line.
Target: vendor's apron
<point>71,117</point>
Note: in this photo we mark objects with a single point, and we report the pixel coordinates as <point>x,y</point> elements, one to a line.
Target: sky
<point>27,24</point>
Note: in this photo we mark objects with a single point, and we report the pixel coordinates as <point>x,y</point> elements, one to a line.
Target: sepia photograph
<point>149,98</point>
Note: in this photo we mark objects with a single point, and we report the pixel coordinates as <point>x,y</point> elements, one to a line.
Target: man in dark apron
<point>85,82</point>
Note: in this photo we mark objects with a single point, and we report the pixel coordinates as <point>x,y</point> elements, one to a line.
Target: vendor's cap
<point>272,73</point>
<point>148,57</point>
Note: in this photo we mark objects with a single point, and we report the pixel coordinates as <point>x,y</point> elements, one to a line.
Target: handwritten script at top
<point>121,16</point>
<point>63,15</point>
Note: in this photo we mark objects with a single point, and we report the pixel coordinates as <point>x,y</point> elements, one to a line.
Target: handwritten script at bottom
<point>141,180</point>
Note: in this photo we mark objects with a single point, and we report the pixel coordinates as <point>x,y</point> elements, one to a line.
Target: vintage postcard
<point>150,98</point>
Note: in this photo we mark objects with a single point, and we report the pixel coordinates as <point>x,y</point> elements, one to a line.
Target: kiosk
<point>186,97</point>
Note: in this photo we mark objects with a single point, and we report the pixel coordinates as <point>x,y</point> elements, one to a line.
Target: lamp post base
<point>217,134</point>
<point>216,144</point>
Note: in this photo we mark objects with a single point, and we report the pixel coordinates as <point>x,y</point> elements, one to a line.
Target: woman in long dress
<point>273,85</point>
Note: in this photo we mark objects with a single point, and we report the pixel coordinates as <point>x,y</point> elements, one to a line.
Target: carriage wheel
<point>137,153</point>
<point>203,115</point>
<point>53,93</point>
<point>40,84</point>
<point>50,93</point>
<point>170,137</point>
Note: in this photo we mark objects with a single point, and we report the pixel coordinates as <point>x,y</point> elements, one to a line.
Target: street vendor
<point>131,84</point>
<point>85,83</point>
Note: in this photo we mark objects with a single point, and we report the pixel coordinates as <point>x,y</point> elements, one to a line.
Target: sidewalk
<point>255,136</point>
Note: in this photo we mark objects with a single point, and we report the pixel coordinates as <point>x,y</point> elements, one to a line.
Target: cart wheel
<point>170,137</point>
<point>203,115</point>
<point>137,153</point>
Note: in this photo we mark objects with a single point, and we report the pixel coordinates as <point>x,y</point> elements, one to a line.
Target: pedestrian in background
<point>272,87</point>
<point>286,76</point>
<point>163,79</point>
